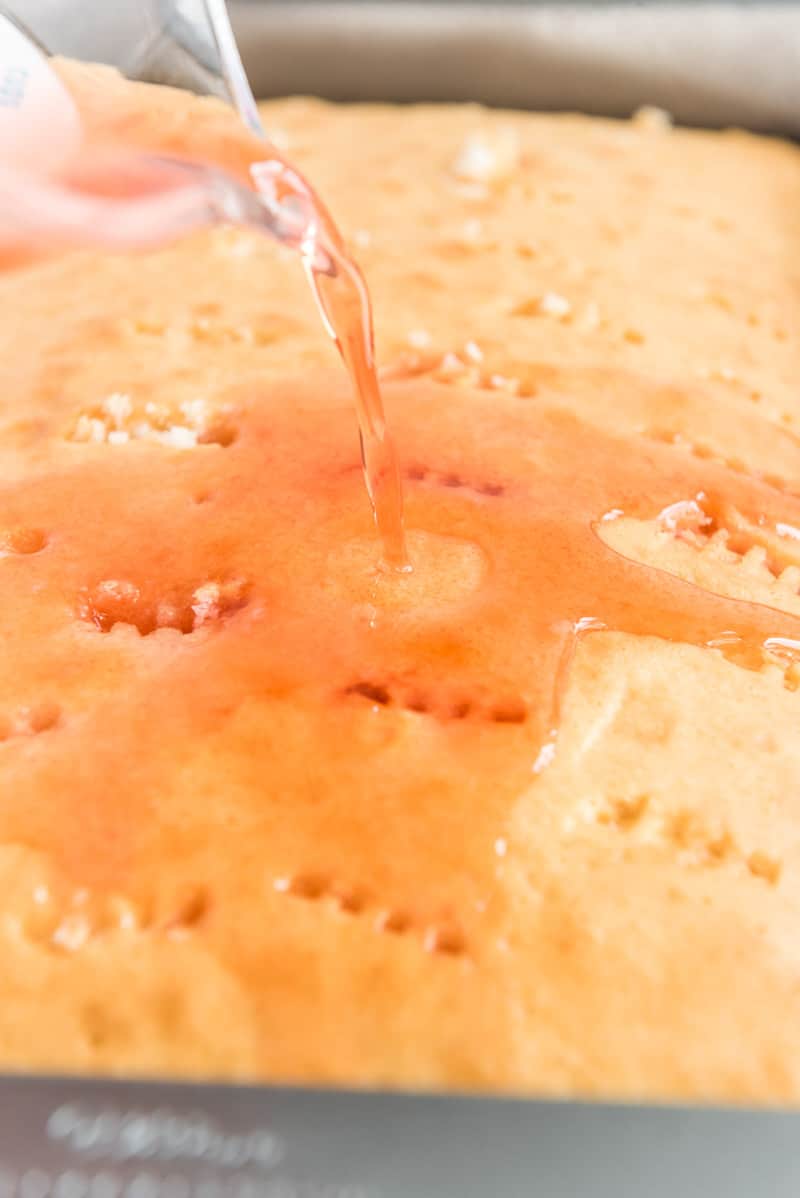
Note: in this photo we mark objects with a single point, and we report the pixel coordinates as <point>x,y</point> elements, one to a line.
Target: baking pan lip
<point>704,62</point>
<point>392,1145</point>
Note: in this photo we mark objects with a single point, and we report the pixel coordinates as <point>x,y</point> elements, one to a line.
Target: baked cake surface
<point>267,815</point>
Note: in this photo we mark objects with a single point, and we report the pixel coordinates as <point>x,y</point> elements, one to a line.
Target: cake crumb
<point>488,160</point>
<point>652,119</point>
<point>553,304</point>
<point>450,365</point>
<point>72,933</point>
<point>472,229</point>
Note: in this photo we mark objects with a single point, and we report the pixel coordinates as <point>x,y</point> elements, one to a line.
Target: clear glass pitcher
<point>185,43</point>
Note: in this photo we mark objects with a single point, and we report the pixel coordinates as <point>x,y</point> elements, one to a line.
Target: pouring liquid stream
<point>342,299</point>
<point>344,305</point>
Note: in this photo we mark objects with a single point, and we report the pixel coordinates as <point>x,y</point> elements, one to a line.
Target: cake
<point>527,820</point>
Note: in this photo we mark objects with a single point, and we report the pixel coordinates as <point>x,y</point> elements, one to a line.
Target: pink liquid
<point>344,303</point>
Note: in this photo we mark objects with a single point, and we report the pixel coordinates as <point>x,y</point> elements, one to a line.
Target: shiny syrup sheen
<point>430,699</point>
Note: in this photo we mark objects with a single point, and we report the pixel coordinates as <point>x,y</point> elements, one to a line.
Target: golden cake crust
<point>186,886</point>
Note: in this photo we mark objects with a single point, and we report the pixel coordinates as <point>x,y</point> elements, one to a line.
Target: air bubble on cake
<point>117,420</point>
<point>119,601</point>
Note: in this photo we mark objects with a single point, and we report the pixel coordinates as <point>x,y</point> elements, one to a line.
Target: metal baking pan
<point>710,64</point>
<point>71,1138</point>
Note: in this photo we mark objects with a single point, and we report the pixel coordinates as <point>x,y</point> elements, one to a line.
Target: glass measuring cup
<point>157,199</point>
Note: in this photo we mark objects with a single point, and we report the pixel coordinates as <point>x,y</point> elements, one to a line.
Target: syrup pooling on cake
<point>428,712</point>
<point>115,113</point>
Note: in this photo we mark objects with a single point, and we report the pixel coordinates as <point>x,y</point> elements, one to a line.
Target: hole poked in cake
<point>749,554</point>
<point>446,939</point>
<point>309,886</point>
<point>373,692</point>
<point>705,453</point>
<point>461,369</point>
<point>119,601</point>
<point>443,703</point>
<point>417,472</point>
<point>312,887</point>
<point>702,846</point>
<point>624,813</point>
<point>30,720</point>
<point>67,921</point>
<point>191,907</point>
<point>102,1027</point>
<point>759,547</point>
<point>765,866</point>
<point>695,840</point>
<point>21,541</point>
<point>204,324</point>
<point>395,922</point>
<point>550,304</point>
<point>119,419</point>
<point>443,937</point>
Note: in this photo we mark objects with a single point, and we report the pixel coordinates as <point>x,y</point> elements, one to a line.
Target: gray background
<point>709,64</point>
